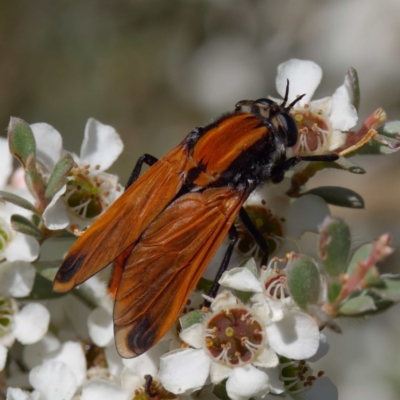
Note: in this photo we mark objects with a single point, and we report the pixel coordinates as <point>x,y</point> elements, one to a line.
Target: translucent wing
<point>167,263</point>
<point>122,224</point>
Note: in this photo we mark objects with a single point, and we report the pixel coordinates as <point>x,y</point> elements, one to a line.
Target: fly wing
<point>122,224</point>
<point>167,263</point>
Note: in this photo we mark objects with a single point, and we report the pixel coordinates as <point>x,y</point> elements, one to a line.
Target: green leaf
<point>347,165</point>
<point>361,254</point>
<point>220,390</point>
<point>334,245</point>
<point>193,317</point>
<point>390,288</point>
<point>17,200</point>
<point>204,285</point>
<point>34,180</point>
<point>250,265</point>
<point>58,177</point>
<point>43,289</point>
<point>334,290</point>
<point>21,140</point>
<point>47,269</point>
<point>244,297</point>
<point>390,129</point>
<point>338,196</point>
<point>23,225</point>
<point>355,86</point>
<point>357,305</point>
<point>303,281</point>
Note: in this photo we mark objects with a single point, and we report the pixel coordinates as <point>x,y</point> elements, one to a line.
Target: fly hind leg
<point>145,158</point>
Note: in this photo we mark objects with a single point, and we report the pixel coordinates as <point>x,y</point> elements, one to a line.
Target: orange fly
<point>165,228</point>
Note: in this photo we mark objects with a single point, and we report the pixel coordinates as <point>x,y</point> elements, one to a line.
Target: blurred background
<point>155,69</point>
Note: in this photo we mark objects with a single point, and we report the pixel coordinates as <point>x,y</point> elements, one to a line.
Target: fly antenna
<point>286,94</point>
<point>294,102</point>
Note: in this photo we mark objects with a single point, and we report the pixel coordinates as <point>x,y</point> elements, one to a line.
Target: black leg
<point>260,240</point>
<point>233,238</point>
<point>280,170</point>
<point>145,158</point>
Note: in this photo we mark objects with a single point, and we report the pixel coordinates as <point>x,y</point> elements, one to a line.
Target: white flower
<point>280,219</point>
<point>15,246</point>
<point>6,162</point>
<point>54,380</point>
<point>230,343</point>
<point>322,122</point>
<point>290,332</point>
<point>29,325</point>
<point>89,190</point>
<point>16,278</point>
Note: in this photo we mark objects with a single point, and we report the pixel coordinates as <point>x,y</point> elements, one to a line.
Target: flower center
<point>154,391</point>
<point>314,128</point>
<point>6,315</point>
<point>269,225</point>
<point>85,195</point>
<point>234,337</point>
<point>276,287</point>
<point>4,234</point>
<point>297,376</point>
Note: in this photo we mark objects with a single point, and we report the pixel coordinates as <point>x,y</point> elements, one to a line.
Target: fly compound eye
<point>290,127</point>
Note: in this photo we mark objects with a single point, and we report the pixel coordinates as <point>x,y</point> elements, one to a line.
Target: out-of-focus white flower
<point>72,355</point>
<point>101,328</point>
<point>16,278</point>
<point>230,343</point>
<point>29,325</point>
<point>322,123</point>
<point>89,190</point>
<point>279,219</point>
<point>54,380</point>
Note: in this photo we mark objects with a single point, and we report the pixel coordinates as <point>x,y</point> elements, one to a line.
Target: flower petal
<point>103,390</point>
<point>16,279</point>
<point>241,279</point>
<point>246,382</point>
<point>18,394</point>
<point>194,336</point>
<point>184,369</point>
<point>22,248</point>
<point>48,144</point>
<point>343,114</point>
<point>219,372</point>
<point>55,215</point>
<point>114,360</point>
<point>323,388</point>
<point>224,301</point>
<point>31,323</point>
<point>34,354</point>
<point>101,145</point>
<point>324,104</point>
<point>71,354</point>
<point>323,349</point>
<point>305,215</point>
<point>295,336</point>
<point>267,358</point>
<point>54,381</point>
<point>304,77</point>
<point>101,327</point>
<point>6,162</point>
<point>3,356</point>
<point>147,363</point>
